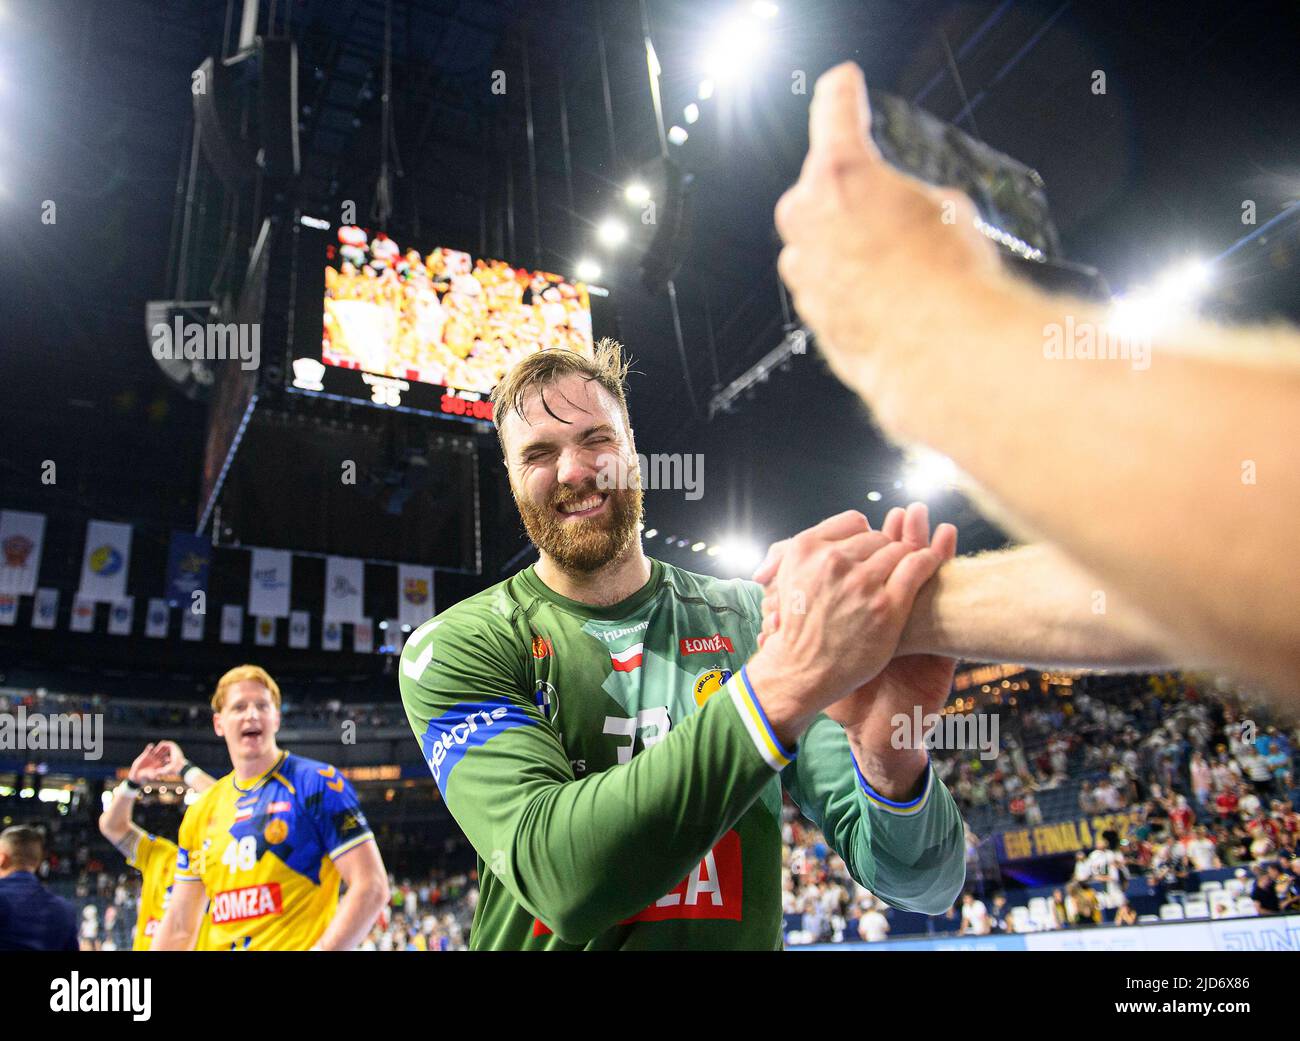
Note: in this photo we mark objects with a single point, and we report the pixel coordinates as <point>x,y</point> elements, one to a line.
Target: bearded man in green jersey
<point>607,732</point>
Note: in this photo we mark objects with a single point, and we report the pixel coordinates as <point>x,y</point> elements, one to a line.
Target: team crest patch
<point>542,647</point>
<point>276,831</point>
<point>546,700</point>
<point>709,683</point>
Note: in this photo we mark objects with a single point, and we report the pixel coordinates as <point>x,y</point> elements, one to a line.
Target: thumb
<point>912,572</point>
<point>767,570</point>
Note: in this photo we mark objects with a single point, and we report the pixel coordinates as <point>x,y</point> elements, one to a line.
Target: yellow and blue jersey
<point>155,858</point>
<point>265,850</point>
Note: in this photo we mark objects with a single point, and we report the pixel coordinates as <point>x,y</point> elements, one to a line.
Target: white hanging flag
<point>8,609</point>
<point>157,618</point>
<point>232,623</point>
<point>269,576</point>
<point>22,537</point>
<point>331,636</point>
<point>105,561</point>
<point>191,624</point>
<point>83,615</point>
<point>390,637</point>
<point>363,637</point>
<point>120,616</point>
<point>344,589</point>
<point>45,611</point>
<point>264,632</point>
<point>299,629</point>
<point>414,594</point>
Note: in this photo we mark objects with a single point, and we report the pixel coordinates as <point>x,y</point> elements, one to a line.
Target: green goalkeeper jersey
<point>620,783</point>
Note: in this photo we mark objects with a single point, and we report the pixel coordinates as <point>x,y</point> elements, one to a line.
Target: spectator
<point>31,917</point>
<point>974,916</point>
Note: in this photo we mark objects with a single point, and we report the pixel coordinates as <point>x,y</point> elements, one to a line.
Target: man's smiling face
<point>570,433</point>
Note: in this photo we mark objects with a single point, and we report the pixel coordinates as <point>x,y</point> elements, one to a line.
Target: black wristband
<point>186,767</point>
<point>131,786</point>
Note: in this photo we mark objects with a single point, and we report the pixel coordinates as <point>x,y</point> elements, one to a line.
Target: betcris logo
<point>447,738</point>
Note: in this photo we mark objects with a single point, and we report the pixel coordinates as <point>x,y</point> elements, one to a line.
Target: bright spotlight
<point>587,270</point>
<point>874,496</point>
<point>736,48</point>
<point>739,556</point>
<point>611,232</point>
<point>764,9</point>
<point>697,546</point>
<point>706,90</point>
<point>928,472</point>
<point>691,112</point>
<point>1174,293</point>
<point>636,193</point>
<point>677,135</point>
<point>651,532</point>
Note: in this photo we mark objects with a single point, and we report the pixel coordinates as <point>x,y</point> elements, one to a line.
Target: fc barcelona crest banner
<point>414,594</point>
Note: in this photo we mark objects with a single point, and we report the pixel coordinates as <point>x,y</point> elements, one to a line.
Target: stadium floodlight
<point>874,496</point>
<point>691,113</point>
<point>1171,296</point>
<point>636,193</point>
<point>677,135</point>
<point>697,546</point>
<point>739,556</point>
<point>736,48</point>
<point>651,532</point>
<point>612,232</point>
<point>706,90</point>
<point>587,270</point>
<point>928,472</point>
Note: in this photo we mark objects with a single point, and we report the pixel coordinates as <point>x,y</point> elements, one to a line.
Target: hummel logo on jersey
<point>715,644</point>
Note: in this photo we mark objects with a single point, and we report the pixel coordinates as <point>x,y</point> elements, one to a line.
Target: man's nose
<point>576,467</point>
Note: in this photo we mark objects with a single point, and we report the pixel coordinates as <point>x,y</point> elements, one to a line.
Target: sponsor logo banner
<point>240,905</point>
<point>188,559</point>
<point>270,574</point>
<point>45,609</point>
<point>715,644</point>
<point>105,561</point>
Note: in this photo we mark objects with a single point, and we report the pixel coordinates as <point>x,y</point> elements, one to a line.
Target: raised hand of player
<point>174,759</point>
<point>847,592</point>
<point>148,765</point>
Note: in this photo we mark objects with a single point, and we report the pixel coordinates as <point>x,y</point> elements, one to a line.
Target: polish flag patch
<point>628,660</point>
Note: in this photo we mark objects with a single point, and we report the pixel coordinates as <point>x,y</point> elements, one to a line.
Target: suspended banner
<point>264,632</point>
<point>414,594</point>
<point>22,537</point>
<point>191,625</point>
<point>45,610</point>
<point>269,576</point>
<point>82,619</point>
<point>8,609</point>
<point>105,562</point>
<point>157,619</point>
<point>363,637</point>
<point>390,637</point>
<point>299,630</point>
<point>120,616</point>
<point>331,636</point>
<point>188,559</point>
<point>232,623</point>
<point>344,589</point>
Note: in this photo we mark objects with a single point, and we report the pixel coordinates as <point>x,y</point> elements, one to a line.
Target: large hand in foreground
<point>873,257</point>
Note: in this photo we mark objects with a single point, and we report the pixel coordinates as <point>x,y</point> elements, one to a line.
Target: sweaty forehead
<point>560,408</point>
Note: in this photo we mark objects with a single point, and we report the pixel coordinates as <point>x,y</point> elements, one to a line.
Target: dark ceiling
<point>1198,116</point>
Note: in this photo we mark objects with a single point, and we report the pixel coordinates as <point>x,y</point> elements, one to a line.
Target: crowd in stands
<point>1208,782</point>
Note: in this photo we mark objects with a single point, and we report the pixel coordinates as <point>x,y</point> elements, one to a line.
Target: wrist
<point>778,695</point>
<point>896,775</point>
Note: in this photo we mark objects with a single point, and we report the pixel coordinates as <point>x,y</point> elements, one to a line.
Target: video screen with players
<point>398,316</point>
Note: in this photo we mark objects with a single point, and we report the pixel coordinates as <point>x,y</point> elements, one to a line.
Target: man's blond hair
<point>242,674</point>
<point>606,366</point>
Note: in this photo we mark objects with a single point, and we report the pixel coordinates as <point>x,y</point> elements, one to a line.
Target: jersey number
<point>647,719</point>
<point>241,855</point>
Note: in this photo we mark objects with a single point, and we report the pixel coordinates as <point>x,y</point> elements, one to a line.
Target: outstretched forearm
<point>1174,484</point>
<point>1031,606</point>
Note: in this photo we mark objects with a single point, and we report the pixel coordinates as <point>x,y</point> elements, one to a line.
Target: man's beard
<point>583,545</point>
